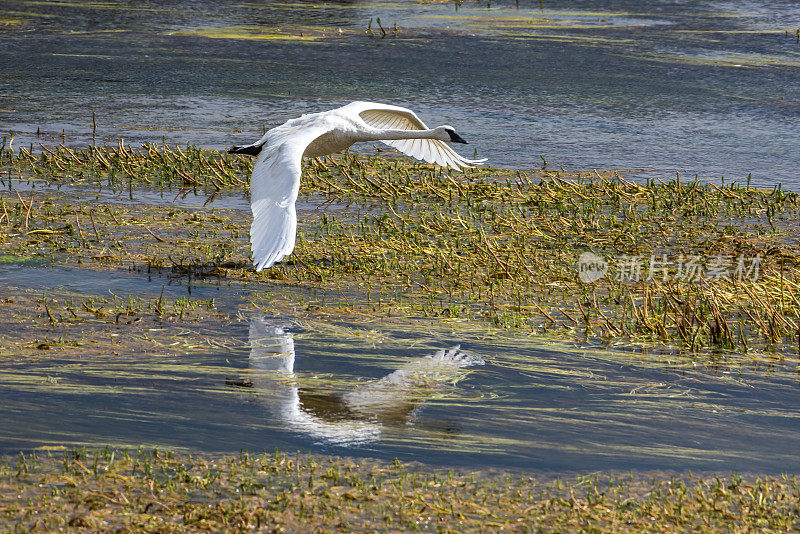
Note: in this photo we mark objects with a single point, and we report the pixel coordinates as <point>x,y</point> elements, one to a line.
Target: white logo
<point>591,267</point>
<point>635,269</point>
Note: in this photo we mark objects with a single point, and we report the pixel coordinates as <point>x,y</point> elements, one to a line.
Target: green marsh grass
<point>393,237</point>
<point>140,490</point>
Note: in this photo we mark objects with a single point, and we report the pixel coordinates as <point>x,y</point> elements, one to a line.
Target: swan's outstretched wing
<point>401,391</point>
<point>274,185</point>
<point>385,116</point>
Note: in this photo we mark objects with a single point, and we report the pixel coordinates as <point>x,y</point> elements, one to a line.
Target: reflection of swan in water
<point>358,415</point>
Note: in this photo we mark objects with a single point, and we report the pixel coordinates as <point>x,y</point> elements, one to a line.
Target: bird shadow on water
<point>354,412</point>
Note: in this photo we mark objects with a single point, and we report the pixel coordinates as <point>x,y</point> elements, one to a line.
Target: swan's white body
<point>275,182</point>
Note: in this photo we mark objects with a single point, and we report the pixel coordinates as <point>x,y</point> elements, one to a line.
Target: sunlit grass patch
<point>408,239</point>
<point>734,60</point>
<point>157,491</point>
<point>256,33</point>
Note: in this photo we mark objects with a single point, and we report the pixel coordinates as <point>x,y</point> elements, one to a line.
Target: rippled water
<point>698,87</point>
<point>397,389</point>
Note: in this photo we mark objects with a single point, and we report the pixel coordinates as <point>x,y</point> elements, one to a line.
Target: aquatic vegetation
<point>492,251</point>
<point>67,323</point>
<point>489,245</point>
<point>301,33</point>
<point>723,60</point>
<point>157,491</point>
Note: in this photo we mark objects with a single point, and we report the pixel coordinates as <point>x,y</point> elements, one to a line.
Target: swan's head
<point>448,133</point>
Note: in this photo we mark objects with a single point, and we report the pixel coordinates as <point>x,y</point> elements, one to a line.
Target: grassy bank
<point>157,491</point>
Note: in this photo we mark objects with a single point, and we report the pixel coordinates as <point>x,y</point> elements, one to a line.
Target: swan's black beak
<point>455,138</point>
<point>250,150</point>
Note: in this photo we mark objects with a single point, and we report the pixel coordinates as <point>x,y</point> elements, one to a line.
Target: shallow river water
<point>398,389</point>
<point>701,87</point>
<point>662,87</point>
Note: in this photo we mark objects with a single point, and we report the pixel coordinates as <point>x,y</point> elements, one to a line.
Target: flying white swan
<point>276,174</point>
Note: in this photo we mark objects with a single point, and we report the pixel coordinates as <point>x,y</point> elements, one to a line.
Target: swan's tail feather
<point>250,150</point>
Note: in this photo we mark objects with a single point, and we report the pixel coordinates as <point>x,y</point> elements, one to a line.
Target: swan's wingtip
<point>471,164</point>
<point>267,262</point>
<point>263,263</point>
<point>455,357</point>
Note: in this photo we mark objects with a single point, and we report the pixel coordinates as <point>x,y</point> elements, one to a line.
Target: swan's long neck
<point>396,135</point>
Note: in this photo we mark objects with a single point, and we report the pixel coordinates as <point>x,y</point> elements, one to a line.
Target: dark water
<point>696,87</point>
<point>391,390</point>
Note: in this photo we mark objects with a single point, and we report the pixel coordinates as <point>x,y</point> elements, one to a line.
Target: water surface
<point>699,87</point>
<point>411,389</point>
